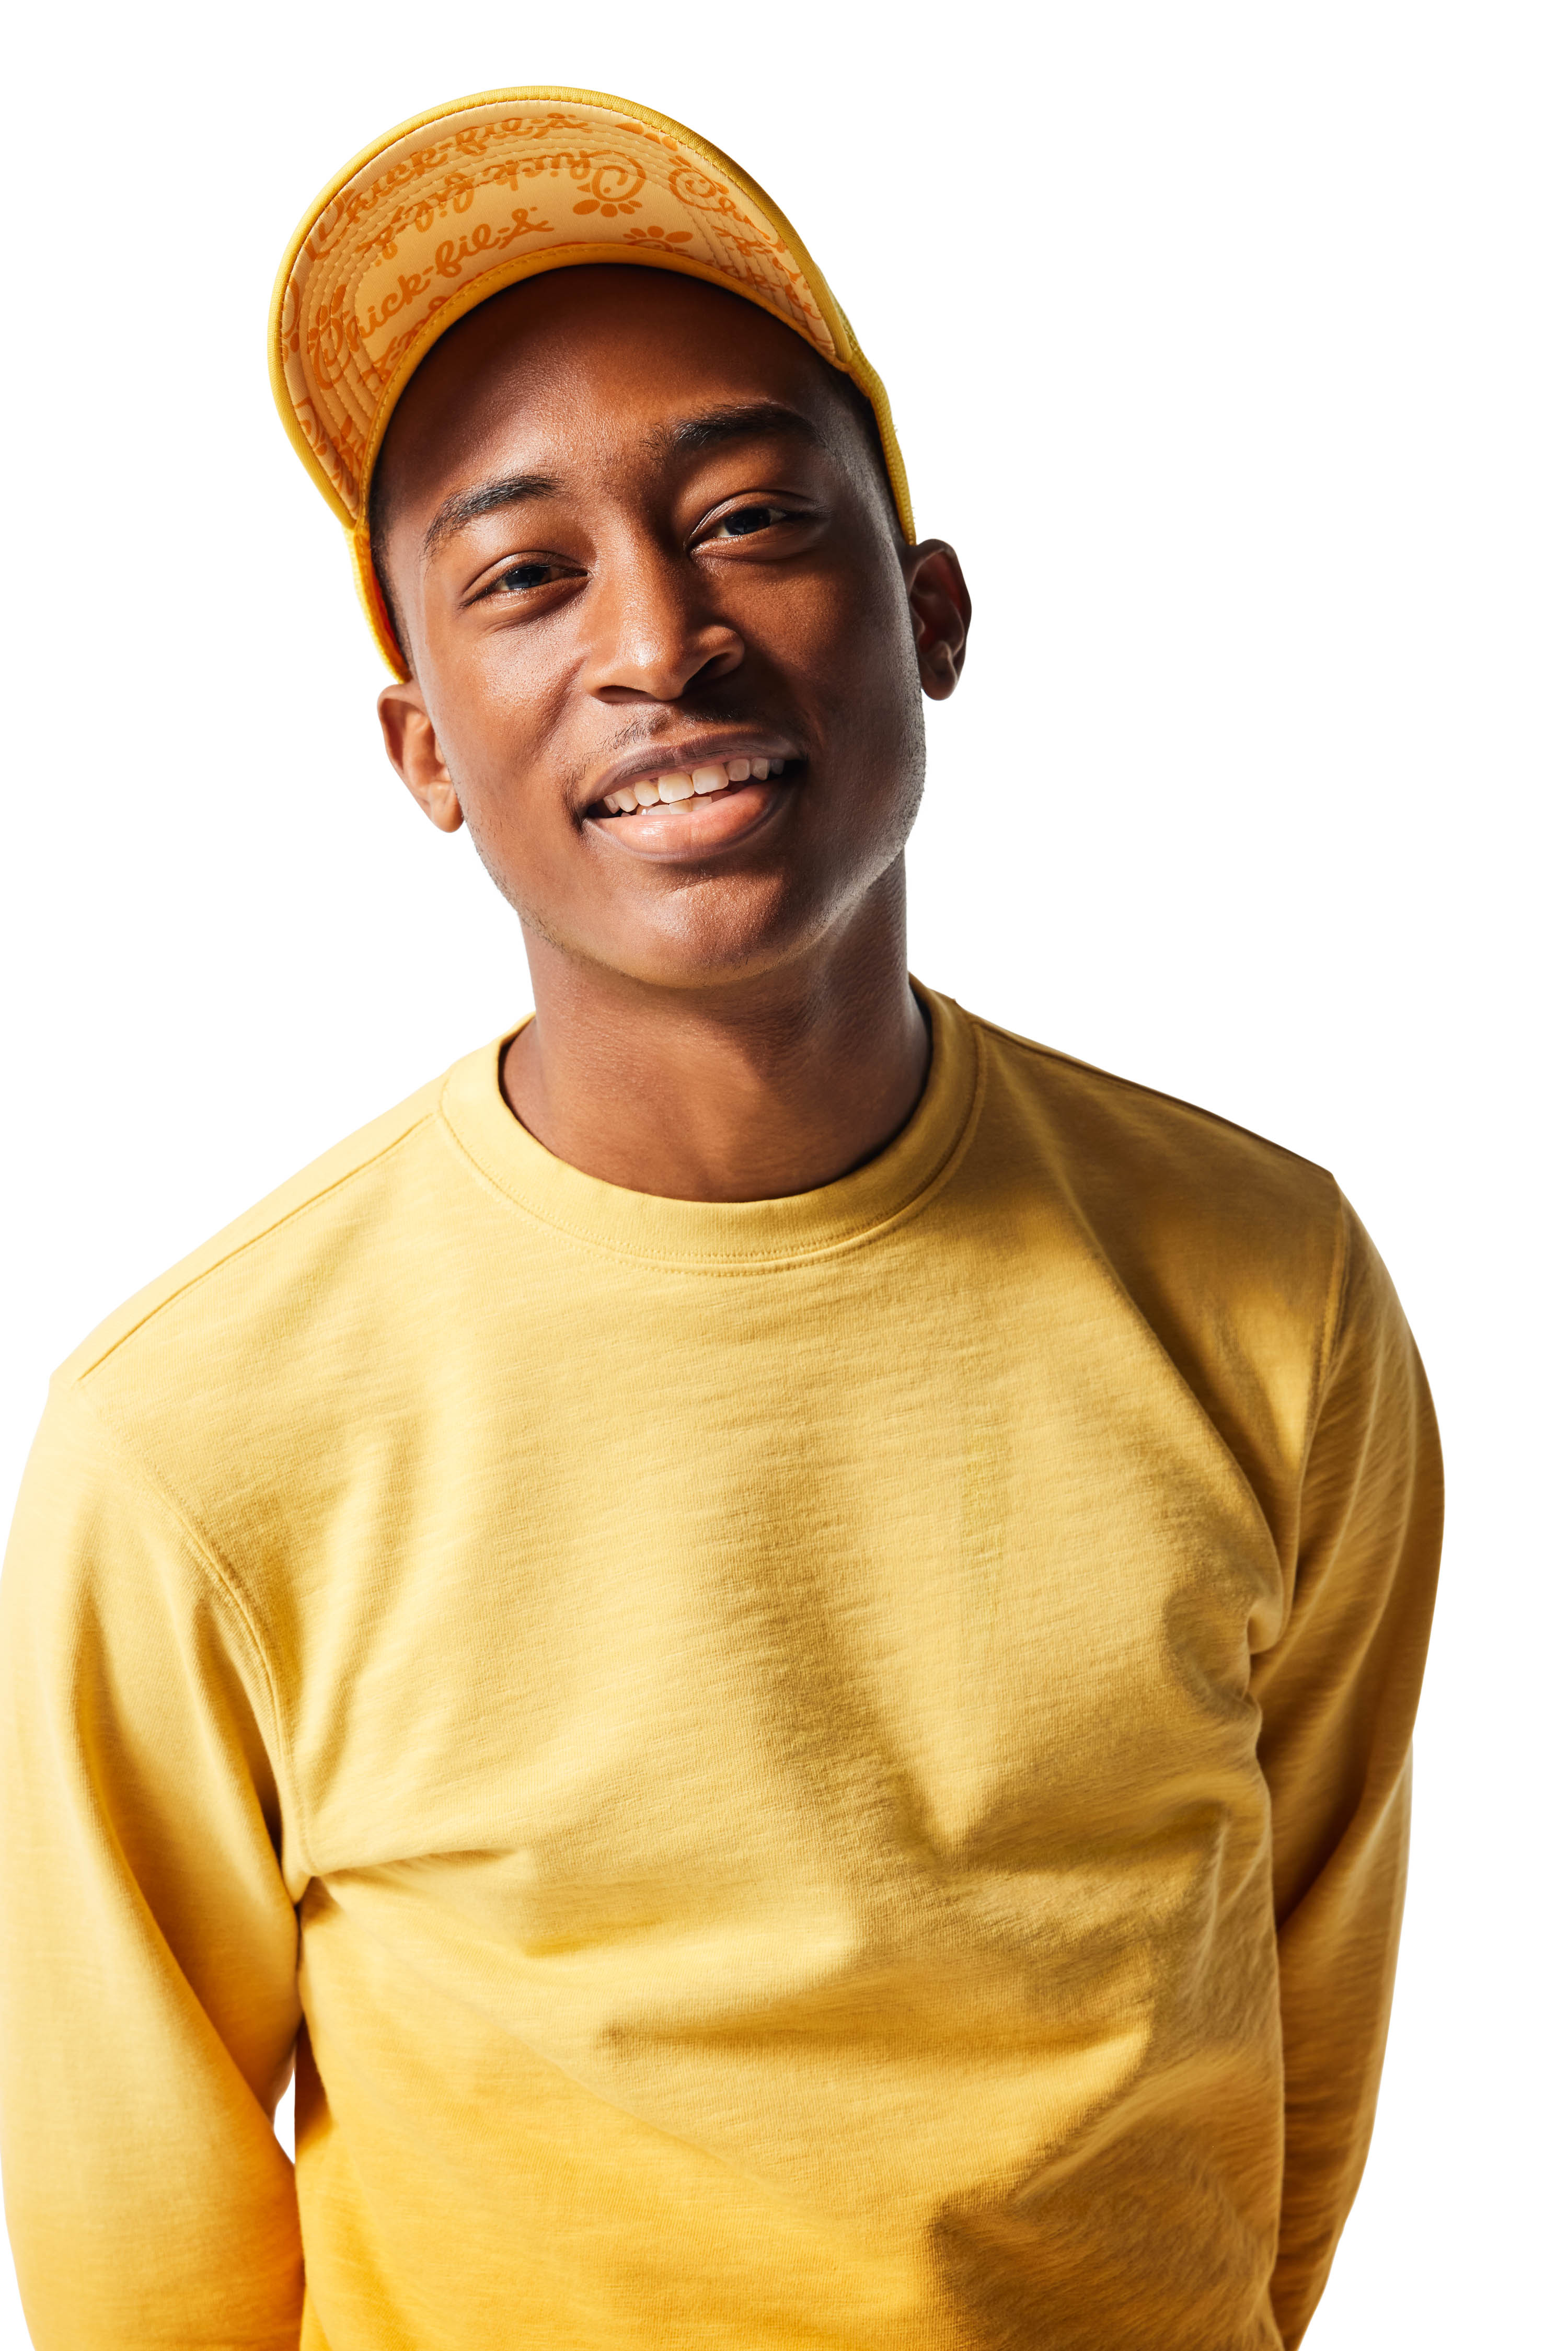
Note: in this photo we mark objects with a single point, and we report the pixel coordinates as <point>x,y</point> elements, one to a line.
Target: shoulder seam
<point>221,1577</point>
<point>1334,1317</point>
<point>1154,1093</point>
<point>1330,1332</point>
<point>288,1216</point>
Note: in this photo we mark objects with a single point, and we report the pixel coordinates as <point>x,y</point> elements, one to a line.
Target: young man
<point>771,1633</point>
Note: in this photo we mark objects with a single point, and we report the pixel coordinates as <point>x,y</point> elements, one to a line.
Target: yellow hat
<point>448,209</point>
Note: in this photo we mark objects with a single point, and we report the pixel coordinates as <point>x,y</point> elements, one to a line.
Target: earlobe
<point>441,805</point>
<point>414,750</point>
<point>939,609</point>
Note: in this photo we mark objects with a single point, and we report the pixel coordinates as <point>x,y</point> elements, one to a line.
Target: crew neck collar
<point>731,1236</point>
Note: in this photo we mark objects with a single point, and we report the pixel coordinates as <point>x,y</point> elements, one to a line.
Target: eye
<point>743,522</point>
<point>520,576</point>
<point>523,576</point>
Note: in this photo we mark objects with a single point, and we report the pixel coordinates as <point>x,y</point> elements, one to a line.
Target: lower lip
<point>679,829</point>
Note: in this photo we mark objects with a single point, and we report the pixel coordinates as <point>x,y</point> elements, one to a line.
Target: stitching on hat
<point>339,406</point>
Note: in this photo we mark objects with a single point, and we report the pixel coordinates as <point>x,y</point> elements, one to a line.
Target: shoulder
<point>1135,1159</point>
<point>333,1230</point>
<point>257,1363</point>
<point>1233,1250</point>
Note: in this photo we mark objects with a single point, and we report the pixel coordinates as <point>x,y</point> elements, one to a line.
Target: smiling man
<point>667,646</point>
<point>773,1635</point>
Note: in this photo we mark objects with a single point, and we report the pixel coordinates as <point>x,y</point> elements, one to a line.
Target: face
<point>667,644</point>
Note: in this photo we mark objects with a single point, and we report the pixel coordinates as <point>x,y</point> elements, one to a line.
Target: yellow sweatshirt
<point>822,1775</point>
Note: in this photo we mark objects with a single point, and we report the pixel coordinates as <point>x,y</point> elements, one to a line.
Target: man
<point>772,1632</point>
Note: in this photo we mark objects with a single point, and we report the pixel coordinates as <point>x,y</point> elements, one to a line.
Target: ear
<point>939,607</point>
<point>410,737</point>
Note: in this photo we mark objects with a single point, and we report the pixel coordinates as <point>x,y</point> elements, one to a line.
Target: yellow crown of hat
<point>450,208</point>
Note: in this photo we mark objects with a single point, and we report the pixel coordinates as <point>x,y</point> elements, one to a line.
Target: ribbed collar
<point>728,1237</point>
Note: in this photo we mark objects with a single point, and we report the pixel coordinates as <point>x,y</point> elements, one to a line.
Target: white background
<point>1226,344</point>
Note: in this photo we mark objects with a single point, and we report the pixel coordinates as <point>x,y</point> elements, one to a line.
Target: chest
<point>745,1585</point>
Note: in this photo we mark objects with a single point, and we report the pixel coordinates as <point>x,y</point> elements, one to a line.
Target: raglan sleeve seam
<point>238,1249</point>
<point>1331,1334</point>
<point>222,1581</point>
<point>1328,1338</point>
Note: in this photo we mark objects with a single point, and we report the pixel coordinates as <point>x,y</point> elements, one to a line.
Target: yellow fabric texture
<point>476,195</point>
<point>828,1772</point>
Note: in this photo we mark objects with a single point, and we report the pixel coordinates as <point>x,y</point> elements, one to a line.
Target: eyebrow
<point>735,420</point>
<point>485,498</point>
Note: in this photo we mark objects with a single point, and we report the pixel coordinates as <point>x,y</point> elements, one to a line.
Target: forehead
<point>579,358</point>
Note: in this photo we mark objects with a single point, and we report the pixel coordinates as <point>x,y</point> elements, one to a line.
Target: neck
<point>749,1089</point>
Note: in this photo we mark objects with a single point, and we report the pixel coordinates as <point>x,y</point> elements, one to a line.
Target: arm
<point>1337,1694</point>
<point>147,1960</point>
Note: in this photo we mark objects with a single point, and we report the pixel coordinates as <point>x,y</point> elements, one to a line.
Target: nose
<point>654,633</point>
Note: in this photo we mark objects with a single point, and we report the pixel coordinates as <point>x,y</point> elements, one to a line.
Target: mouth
<point>708,780</point>
<point>680,812</point>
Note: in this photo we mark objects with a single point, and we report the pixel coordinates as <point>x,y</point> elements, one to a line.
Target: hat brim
<point>474,196</point>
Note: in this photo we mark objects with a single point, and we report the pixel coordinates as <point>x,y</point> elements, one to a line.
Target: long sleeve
<point>1337,1694</point>
<point>148,1952</point>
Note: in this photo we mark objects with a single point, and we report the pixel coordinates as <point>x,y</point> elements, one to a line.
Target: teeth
<point>677,785</point>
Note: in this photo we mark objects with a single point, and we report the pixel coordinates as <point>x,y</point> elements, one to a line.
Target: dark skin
<point>634,527</point>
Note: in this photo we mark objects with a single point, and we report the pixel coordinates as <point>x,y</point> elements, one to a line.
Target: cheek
<point>497,733</point>
<point>874,676</point>
<point>497,743</point>
<point>845,640</point>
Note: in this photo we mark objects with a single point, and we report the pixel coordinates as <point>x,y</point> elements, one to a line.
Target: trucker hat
<point>448,209</point>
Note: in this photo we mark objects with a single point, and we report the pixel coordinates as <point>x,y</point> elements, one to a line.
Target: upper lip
<point>682,752</point>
